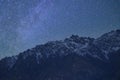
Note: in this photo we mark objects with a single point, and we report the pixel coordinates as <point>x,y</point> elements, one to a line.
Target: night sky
<point>27,23</point>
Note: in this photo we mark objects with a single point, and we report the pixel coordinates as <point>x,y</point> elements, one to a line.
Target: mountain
<point>75,58</point>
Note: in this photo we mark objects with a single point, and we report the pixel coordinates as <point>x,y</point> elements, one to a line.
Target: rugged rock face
<point>75,58</point>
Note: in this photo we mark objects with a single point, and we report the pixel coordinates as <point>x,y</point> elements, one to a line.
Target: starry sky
<point>27,23</point>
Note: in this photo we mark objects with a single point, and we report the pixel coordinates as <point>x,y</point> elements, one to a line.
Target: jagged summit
<point>77,39</point>
<point>81,45</point>
<point>109,42</point>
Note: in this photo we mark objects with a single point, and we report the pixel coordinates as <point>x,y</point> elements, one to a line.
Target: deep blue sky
<point>26,23</point>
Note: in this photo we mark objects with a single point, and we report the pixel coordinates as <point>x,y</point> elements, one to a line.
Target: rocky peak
<point>79,40</point>
<point>109,42</point>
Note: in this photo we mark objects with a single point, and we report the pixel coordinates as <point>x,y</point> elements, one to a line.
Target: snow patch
<point>115,48</point>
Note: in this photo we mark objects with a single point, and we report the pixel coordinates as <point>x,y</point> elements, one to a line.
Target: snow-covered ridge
<point>97,48</point>
<point>74,43</point>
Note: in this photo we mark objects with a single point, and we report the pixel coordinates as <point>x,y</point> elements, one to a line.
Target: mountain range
<point>74,58</point>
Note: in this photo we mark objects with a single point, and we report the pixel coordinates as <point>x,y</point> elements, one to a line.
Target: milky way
<point>27,23</point>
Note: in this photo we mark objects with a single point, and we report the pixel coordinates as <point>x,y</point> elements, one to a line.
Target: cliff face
<point>75,58</point>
